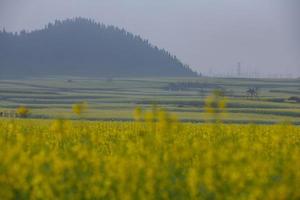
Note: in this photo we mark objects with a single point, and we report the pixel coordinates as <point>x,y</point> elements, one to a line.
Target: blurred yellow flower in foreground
<point>159,158</point>
<point>79,108</point>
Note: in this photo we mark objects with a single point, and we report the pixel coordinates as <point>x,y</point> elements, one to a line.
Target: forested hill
<point>81,47</point>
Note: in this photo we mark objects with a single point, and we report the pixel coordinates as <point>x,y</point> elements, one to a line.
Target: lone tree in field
<point>252,92</point>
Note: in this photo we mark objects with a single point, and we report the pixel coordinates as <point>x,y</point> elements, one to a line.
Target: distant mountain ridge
<point>82,47</point>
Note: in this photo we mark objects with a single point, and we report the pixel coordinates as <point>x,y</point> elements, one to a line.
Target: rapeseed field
<point>154,158</point>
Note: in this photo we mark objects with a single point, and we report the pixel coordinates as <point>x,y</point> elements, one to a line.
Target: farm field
<point>59,159</point>
<point>115,98</point>
<point>138,139</point>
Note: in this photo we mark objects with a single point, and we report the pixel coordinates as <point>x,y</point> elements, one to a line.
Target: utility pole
<point>239,69</point>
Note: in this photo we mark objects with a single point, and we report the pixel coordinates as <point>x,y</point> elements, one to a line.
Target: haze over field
<point>209,35</point>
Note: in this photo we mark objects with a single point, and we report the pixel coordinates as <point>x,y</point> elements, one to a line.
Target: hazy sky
<point>209,35</point>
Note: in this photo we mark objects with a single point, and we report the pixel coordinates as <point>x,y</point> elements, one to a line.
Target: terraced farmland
<point>114,99</point>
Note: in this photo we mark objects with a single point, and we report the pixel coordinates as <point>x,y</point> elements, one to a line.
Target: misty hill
<point>81,47</point>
